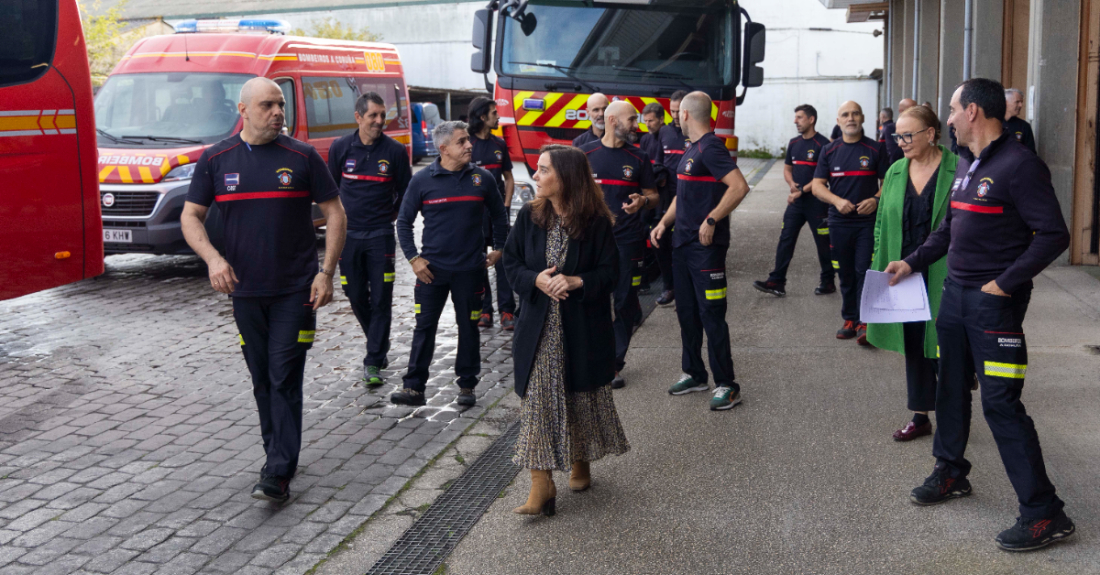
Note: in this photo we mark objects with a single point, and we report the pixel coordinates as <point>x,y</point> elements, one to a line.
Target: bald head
<point>850,119</point>
<point>621,120</point>
<point>262,109</point>
<point>905,104</point>
<point>695,114</point>
<point>597,103</point>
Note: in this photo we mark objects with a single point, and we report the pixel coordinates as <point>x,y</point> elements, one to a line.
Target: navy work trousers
<point>505,298</point>
<point>804,211</point>
<point>367,275</point>
<point>627,308</point>
<point>852,247</point>
<point>465,289</point>
<point>701,307</point>
<point>985,332</point>
<point>275,334</point>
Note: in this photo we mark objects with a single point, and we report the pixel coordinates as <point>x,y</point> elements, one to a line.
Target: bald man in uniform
<point>597,104</point>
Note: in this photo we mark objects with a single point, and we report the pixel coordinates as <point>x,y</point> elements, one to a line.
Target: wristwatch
<point>711,222</point>
<point>645,201</point>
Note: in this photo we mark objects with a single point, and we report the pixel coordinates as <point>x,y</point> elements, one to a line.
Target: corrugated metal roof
<point>144,9</point>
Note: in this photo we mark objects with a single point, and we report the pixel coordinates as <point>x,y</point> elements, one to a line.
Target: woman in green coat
<point>915,198</point>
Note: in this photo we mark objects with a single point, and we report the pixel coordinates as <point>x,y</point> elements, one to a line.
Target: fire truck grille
<point>130,203</point>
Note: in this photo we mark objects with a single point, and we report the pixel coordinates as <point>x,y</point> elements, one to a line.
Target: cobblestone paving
<point>129,439</point>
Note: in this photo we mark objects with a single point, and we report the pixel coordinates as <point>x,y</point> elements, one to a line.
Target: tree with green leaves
<point>333,29</point>
<point>103,36</point>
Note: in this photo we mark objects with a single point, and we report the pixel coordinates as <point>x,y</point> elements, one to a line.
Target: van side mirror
<point>753,74</point>
<point>482,59</point>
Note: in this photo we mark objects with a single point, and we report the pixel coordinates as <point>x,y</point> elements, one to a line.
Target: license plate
<point>118,236</point>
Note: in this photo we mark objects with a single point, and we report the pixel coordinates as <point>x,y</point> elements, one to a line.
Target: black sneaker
<point>825,289</point>
<point>668,297</point>
<point>1032,534</point>
<point>776,289</point>
<point>618,382</point>
<point>407,397</point>
<point>272,488</point>
<point>940,487</point>
<point>466,397</point>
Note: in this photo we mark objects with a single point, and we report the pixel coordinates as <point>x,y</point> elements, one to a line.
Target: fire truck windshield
<point>168,108</point>
<point>662,45</point>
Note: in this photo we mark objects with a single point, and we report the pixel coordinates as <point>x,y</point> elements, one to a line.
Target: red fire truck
<point>49,209</point>
<point>551,54</point>
<point>171,97</point>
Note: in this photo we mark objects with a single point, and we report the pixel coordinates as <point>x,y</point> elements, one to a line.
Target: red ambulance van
<point>172,96</point>
<point>49,204</point>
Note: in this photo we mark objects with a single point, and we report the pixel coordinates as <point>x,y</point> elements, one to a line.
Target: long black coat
<point>585,314</point>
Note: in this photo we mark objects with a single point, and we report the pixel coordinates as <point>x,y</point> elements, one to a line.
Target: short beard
<point>598,125</point>
<point>626,135</point>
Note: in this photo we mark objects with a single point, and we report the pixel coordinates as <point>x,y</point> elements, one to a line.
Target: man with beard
<point>491,153</point>
<point>265,184</point>
<point>1014,124</point>
<point>597,103</point>
<point>623,170</point>
<point>373,171</point>
<point>848,177</point>
<point>451,194</point>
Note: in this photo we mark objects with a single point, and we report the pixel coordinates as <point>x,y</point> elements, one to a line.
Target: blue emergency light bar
<point>223,26</point>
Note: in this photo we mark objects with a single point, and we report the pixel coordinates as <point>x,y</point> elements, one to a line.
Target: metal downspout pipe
<point>968,38</point>
<point>916,48</point>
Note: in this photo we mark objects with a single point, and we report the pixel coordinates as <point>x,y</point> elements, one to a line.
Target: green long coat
<point>888,238</point>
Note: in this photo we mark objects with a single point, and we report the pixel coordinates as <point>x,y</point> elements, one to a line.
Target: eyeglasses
<point>907,138</point>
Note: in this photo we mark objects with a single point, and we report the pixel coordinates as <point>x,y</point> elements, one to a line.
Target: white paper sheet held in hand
<point>883,303</point>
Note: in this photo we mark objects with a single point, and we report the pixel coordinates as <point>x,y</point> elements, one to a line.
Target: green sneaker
<point>724,398</point>
<point>687,385</point>
<point>373,378</point>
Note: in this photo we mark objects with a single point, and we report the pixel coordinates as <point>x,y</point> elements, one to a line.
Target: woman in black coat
<point>562,261</point>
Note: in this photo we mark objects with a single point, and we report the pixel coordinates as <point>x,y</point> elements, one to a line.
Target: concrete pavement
<point>804,476</point>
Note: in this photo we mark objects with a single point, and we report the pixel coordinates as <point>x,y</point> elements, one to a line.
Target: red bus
<point>170,97</point>
<point>551,54</point>
<point>50,230</point>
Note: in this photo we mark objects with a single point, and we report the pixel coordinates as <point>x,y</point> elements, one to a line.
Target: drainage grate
<point>424,547</point>
<point>428,543</point>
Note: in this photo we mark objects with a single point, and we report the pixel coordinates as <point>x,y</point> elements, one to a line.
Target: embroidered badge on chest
<point>349,166</point>
<point>628,172</point>
<point>810,155</point>
<point>499,155</point>
<point>285,176</point>
<point>687,167</point>
<point>864,162</point>
<point>383,166</point>
<point>476,178</point>
<point>983,187</point>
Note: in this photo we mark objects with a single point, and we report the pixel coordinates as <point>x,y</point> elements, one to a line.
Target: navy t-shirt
<point>621,172</point>
<point>673,144</point>
<point>491,154</point>
<point>699,188</point>
<point>802,157</point>
<point>265,194</point>
<point>853,172</point>
<point>587,137</point>
<point>372,181</point>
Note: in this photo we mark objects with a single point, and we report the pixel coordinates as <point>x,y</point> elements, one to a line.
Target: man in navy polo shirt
<point>1014,123</point>
<point>491,153</point>
<point>451,194</point>
<point>1004,227</point>
<point>709,187</point>
<point>654,117</point>
<point>803,152</point>
<point>373,171</point>
<point>597,103</point>
<point>849,177</point>
<point>625,174</point>
<point>265,184</point>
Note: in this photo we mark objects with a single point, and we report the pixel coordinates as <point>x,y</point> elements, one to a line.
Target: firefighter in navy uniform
<point>673,142</point>
<point>373,171</point>
<point>1004,227</point>
<point>709,187</point>
<point>625,174</point>
<point>1014,124</point>
<point>849,178</point>
<point>491,153</point>
<point>265,184</point>
<point>451,194</point>
<point>654,117</point>
<point>803,152</point>
<point>596,105</point>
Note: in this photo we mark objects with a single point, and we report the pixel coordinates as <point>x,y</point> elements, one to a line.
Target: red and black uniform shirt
<point>673,144</point>
<point>802,157</point>
<point>265,194</point>
<point>621,172</point>
<point>372,181</point>
<point>853,172</point>
<point>699,188</point>
<point>491,154</point>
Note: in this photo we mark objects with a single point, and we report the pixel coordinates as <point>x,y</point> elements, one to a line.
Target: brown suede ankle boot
<point>581,477</point>
<point>542,498</point>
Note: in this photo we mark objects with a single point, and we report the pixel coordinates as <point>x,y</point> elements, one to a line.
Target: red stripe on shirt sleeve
<point>978,209</point>
<point>259,196</point>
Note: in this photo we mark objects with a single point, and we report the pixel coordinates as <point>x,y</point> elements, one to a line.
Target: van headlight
<point>184,172</point>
